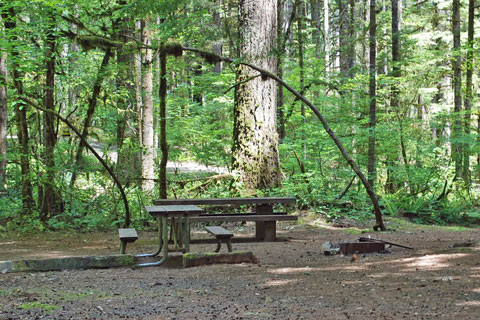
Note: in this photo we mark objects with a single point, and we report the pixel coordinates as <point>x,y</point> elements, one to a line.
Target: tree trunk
<point>469,90</point>
<point>372,94</point>
<point>390,185</point>
<point>148,164</point>
<point>326,38</point>
<point>255,146</point>
<point>300,17</point>
<point>217,46</point>
<point>343,38</point>
<point>456,146</point>
<point>280,55</point>
<point>9,20</point>
<point>129,160</point>
<point>315,6</point>
<point>3,120</point>
<point>47,207</point>
<point>163,125</point>
<point>138,82</point>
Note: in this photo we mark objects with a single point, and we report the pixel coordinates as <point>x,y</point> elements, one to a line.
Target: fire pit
<point>361,247</point>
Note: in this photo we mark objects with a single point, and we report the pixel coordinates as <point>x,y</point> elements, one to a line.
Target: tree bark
<point>3,120</point>
<point>148,165</point>
<point>372,94</point>
<point>255,146</point>
<point>163,125</point>
<point>390,185</point>
<point>326,38</point>
<point>300,17</point>
<point>469,89</point>
<point>280,54</point>
<point>456,145</point>
<point>217,46</point>
<point>50,194</point>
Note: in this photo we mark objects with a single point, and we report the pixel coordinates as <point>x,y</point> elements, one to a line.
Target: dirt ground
<point>440,279</point>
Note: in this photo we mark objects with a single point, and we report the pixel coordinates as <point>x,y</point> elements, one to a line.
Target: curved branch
<point>95,153</point>
<point>209,56</point>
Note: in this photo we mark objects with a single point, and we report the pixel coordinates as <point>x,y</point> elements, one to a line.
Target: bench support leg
<point>219,245</point>
<point>229,245</point>
<point>260,230</point>
<point>123,246</point>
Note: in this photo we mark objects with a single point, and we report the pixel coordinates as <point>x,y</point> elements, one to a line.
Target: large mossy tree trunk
<point>255,146</point>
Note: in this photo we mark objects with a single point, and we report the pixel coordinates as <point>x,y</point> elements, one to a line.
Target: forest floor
<point>440,279</point>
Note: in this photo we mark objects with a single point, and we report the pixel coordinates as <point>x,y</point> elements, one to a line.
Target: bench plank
<point>219,232</point>
<point>127,234</point>
<point>236,218</point>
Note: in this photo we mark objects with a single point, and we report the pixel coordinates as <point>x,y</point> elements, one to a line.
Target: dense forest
<point>339,103</point>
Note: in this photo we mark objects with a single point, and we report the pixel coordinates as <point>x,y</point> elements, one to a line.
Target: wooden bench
<point>126,235</point>
<point>222,235</point>
<point>263,215</point>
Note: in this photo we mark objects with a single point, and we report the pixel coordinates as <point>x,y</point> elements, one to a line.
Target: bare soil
<point>440,279</point>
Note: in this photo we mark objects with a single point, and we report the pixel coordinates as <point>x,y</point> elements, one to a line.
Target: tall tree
<point>255,145</point>
<point>163,125</point>
<point>326,35</point>
<point>372,92</point>
<point>390,185</point>
<point>148,164</point>
<point>3,119</point>
<point>10,22</point>
<point>469,88</point>
<point>456,145</point>
<point>49,196</point>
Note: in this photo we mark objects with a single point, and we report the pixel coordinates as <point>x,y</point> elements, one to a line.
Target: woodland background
<point>397,81</point>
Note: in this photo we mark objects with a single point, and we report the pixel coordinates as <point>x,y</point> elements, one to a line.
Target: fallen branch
<point>363,239</point>
<point>214,178</point>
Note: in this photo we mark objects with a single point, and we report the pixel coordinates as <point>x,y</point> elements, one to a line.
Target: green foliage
<point>413,144</point>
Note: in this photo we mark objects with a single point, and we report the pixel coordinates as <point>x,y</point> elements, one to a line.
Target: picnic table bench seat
<point>126,235</point>
<point>221,235</point>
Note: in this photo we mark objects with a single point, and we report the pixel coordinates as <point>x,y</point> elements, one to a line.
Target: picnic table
<point>180,216</point>
<point>263,214</point>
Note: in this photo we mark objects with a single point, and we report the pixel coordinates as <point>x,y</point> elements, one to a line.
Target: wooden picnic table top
<point>173,210</point>
<point>225,201</point>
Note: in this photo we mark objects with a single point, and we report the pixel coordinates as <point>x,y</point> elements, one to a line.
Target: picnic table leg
<point>186,233</point>
<point>160,242</point>
<point>164,235</point>
<point>260,226</point>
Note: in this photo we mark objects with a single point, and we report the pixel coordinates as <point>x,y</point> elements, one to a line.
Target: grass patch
<point>38,305</point>
<point>355,231</point>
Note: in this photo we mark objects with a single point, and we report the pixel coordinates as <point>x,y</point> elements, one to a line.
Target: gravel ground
<point>440,279</point>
